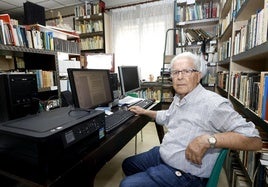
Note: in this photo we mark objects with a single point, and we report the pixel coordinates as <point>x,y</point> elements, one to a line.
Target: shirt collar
<point>193,94</point>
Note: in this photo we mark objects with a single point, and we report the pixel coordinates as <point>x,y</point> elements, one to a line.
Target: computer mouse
<point>107,112</point>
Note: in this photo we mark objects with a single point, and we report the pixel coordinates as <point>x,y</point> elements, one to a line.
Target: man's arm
<point>231,140</point>
<point>237,141</point>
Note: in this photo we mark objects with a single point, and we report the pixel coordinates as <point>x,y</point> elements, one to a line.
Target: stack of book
<point>36,36</point>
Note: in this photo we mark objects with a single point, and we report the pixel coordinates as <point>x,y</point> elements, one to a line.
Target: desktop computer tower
<point>18,96</point>
<point>114,86</point>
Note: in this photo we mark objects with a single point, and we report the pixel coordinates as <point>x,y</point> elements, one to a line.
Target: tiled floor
<point>111,174</point>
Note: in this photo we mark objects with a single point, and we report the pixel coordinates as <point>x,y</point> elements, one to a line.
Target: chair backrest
<point>215,174</point>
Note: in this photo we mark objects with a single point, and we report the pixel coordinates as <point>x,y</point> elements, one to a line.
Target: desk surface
<point>109,147</point>
<point>84,172</point>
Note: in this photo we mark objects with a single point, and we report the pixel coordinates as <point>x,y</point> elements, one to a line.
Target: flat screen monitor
<point>90,88</point>
<point>129,79</point>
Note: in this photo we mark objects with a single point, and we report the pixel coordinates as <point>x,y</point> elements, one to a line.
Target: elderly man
<point>199,124</point>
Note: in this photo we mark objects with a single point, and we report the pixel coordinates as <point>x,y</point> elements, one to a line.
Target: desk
<point>83,173</point>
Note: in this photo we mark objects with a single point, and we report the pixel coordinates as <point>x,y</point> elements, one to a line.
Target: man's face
<point>184,76</point>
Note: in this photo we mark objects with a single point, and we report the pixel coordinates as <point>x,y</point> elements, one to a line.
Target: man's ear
<point>199,76</point>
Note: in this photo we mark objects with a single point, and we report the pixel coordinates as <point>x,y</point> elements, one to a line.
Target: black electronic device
<point>115,88</point>
<point>90,88</point>
<point>114,81</point>
<point>66,98</point>
<point>34,14</point>
<point>129,79</point>
<point>18,94</point>
<point>43,147</point>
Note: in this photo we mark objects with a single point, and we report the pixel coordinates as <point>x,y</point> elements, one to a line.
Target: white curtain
<point>138,36</point>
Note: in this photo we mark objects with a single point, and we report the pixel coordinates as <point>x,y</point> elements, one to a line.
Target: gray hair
<point>196,59</point>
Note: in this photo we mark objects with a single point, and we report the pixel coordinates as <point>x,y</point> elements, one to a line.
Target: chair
<point>215,174</point>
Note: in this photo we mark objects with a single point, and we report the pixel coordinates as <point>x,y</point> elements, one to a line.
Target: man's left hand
<point>197,148</point>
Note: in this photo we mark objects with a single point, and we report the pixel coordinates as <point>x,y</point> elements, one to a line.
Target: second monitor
<point>129,79</point>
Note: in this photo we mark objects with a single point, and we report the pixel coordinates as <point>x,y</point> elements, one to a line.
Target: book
<point>29,38</point>
<point>265,99</point>
<point>265,22</point>
<point>9,34</point>
<point>23,36</point>
<point>2,33</point>
<point>8,31</point>
<point>36,37</point>
<point>261,91</point>
<point>16,36</point>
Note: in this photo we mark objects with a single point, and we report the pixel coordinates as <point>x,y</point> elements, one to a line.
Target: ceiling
<point>15,7</point>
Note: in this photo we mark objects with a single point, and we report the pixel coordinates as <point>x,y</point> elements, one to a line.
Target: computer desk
<point>109,147</point>
<point>83,173</point>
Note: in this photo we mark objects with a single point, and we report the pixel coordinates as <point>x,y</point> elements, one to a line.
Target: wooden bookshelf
<point>32,59</point>
<point>246,55</point>
<point>89,21</point>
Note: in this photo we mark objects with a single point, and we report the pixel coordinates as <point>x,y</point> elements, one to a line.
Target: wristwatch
<point>212,141</point>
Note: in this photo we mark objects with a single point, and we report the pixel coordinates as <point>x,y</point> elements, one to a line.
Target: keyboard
<point>117,119</point>
<point>144,103</point>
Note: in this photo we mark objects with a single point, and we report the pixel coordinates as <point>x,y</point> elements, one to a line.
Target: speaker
<point>114,86</point>
<point>66,98</point>
<point>18,96</point>
<point>34,13</point>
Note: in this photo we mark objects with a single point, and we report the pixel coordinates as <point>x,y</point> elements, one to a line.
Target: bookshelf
<point>152,90</point>
<point>243,50</point>
<point>196,30</point>
<point>89,21</point>
<point>197,25</point>
<point>38,54</point>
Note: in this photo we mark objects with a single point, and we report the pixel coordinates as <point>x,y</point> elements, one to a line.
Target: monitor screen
<point>90,87</point>
<point>129,79</point>
<point>100,61</point>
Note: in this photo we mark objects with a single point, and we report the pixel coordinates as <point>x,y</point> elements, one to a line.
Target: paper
<point>190,2</point>
<point>128,100</point>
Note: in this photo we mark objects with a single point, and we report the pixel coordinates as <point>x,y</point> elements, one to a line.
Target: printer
<point>42,147</point>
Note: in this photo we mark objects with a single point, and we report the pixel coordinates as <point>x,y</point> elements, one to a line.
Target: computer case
<point>114,86</point>
<point>18,96</point>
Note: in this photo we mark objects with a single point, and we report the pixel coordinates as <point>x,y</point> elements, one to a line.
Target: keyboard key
<point>117,119</point>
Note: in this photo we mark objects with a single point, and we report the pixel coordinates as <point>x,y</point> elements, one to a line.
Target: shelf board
<point>256,53</point>
<point>190,45</point>
<point>90,17</point>
<point>155,84</point>
<point>222,92</point>
<point>91,34</point>
<point>209,21</point>
<point>250,114</point>
<point>8,48</point>
<point>93,50</point>
<point>248,8</point>
<point>226,8</point>
<point>227,33</point>
<point>224,62</point>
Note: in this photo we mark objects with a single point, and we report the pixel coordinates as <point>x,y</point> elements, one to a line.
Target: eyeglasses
<point>184,72</point>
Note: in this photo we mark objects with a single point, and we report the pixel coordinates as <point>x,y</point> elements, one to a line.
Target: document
<point>128,100</point>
